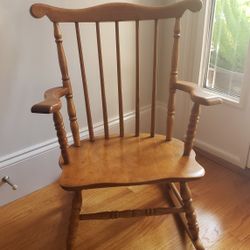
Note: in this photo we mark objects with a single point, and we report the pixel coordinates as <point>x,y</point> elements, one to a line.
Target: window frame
<point>206,38</point>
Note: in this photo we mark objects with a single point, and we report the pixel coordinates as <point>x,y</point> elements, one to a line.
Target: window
<point>228,47</point>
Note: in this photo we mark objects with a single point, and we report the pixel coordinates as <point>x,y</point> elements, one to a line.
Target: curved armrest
<point>197,94</point>
<point>51,101</point>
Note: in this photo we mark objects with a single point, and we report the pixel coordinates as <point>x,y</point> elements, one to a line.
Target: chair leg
<point>74,219</point>
<point>190,214</point>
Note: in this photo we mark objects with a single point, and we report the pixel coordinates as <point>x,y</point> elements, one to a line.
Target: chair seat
<point>127,161</point>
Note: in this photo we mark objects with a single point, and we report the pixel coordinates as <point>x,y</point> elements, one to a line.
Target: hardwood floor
<point>221,198</point>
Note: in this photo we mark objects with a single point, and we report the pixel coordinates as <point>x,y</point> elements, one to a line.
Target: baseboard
<point>209,148</point>
<point>220,153</point>
<point>40,148</point>
<point>30,174</point>
<point>244,172</point>
<point>37,166</point>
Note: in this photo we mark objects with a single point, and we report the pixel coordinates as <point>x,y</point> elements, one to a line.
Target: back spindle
<point>119,80</point>
<point>173,80</point>
<point>137,92</point>
<point>154,79</point>
<point>84,83</point>
<point>66,83</point>
<point>104,103</point>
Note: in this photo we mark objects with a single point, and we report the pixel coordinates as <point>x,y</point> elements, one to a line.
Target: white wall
<point>223,130</point>
<point>28,66</point>
<point>187,65</point>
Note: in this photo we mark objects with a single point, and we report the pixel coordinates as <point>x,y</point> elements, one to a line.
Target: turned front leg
<point>74,219</point>
<point>62,137</point>
<point>189,210</point>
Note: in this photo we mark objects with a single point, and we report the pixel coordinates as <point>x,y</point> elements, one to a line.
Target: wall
<point>28,66</point>
<point>186,68</point>
<point>223,130</point>
<point>28,150</point>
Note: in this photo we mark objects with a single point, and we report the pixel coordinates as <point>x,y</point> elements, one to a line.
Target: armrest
<point>197,94</point>
<point>51,101</point>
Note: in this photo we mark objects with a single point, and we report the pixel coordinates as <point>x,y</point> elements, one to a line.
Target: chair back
<point>116,12</point>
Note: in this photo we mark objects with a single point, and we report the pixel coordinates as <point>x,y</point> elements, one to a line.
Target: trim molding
<point>37,166</point>
<point>40,148</point>
<point>205,147</point>
<point>220,153</point>
<point>235,168</point>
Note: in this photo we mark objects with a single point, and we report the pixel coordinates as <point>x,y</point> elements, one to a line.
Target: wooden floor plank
<point>221,198</point>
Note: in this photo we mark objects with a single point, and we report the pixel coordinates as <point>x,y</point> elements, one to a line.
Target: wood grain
<point>104,102</point>
<point>74,220</point>
<point>119,78</point>
<point>189,221</point>
<point>67,84</point>
<point>114,12</point>
<point>190,213</point>
<point>173,80</point>
<point>84,82</point>
<point>155,67</point>
<point>125,160</point>
<point>221,200</point>
<point>137,88</point>
<point>51,101</point>
<point>197,94</point>
<point>131,213</point>
<point>128,161</point>
<point>191,131</point>
<point>62,137</point>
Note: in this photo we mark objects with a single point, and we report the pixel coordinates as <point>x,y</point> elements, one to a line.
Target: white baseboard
<point>30,174</point>
<point>213,150</point>
<point>37,166</point>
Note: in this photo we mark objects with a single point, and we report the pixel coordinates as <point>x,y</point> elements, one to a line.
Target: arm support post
<point>191,131</point>
<point>52,104</point>
<point>61,134</point>
<point>199,97</point>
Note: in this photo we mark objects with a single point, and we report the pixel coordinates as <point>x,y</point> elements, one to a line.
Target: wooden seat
<point>125,160</point>
<point>128,161</point>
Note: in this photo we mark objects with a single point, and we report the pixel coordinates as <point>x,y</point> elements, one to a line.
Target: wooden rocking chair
<point>124,160</point>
